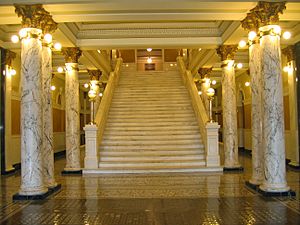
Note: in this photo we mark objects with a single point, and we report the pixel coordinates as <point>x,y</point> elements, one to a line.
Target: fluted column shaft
<point>256,113</point>
<point>32,182</point>
<point>72,118</point>
<point>48,153</point>
<point>272,110</point>
<point>229,115</point>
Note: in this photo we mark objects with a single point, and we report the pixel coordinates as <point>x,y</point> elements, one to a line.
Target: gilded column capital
<point>250,23</point>
<point>33,16</point>
<point>95,74</point>
<point>267,13</point>
<point>227,52</point>
<point>48,25</point>
<point>9,57</point>
<point>203,72</point>
<point>289,52</point>
<point>71,54</point>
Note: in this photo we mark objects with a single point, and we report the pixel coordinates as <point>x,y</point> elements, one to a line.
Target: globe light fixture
<point>286,35</point>
<point>242,44</point>
<point>214,82</point>
<point>149,60</point>
<point>239,65</point>
<point>252,35</point>
<point>86,85</point>
<point>13,72</point>
<point>48,38</point>
<point>60,69</point>
<point>52,88</point>
<point>15,39</point>
<point>149,49</point>
<point>247,84</point>
<point>57,46</point>
<point>23,33</point>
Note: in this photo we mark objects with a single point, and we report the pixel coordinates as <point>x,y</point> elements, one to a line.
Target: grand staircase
<point>151,126</point>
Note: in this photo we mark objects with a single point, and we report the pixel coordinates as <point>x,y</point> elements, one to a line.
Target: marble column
<point>289,52</point>
<point>72,55</point>
<point>229,107</point>
<point>9,56</point>
<point>251,25</point>
<point>32,182</point>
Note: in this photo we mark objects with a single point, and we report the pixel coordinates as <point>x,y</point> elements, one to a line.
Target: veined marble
<point>273,122</point>
<point>72,118</point>
<point>256,114</point>
<point>229,116</point>
<point>32,182</point>
<point>48,153</point>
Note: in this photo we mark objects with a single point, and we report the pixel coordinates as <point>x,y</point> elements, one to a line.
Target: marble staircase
<point>151,126</point>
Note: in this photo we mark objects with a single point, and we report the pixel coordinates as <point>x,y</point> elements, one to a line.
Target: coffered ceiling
<point>137,24</point>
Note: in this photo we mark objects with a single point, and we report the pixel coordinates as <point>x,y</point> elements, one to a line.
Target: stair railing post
<point>212,150</point>
<point>91,159</point>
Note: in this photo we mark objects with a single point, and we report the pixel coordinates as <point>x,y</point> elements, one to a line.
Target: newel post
<point>91,158</point>
<point>212,151</point>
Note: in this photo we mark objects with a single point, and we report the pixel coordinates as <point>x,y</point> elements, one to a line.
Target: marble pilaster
<point>229,107</point>
<point>32,182</point>
<point>72,110</point>
<point>272,110</point>
<point>251,25</point>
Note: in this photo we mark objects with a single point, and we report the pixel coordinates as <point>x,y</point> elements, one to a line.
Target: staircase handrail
<point>198,106</point>
<point>103,110</point>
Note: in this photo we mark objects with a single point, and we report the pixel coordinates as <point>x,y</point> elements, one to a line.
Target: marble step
<point>151,99</point>
<point>150,120</point>
<point>152,137</point>
<point>133,96</point>
<point>150,133</point>
<point>151,112</point>
<point>147,159</point>
<point>153,142</point>
<point>152,165</point>
<point>171,125</point>
<point>152,116</point>
<point>158,109</point>
<point>152,128</point>
<point>152,103</point>
<point>141,148</point>
<point>124,153</point>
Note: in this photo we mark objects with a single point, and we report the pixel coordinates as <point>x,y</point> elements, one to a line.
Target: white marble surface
<point>204,87</point>
<point>91,158</point>
<point>31,117</point>
<point>273,120</point>
<point>256,114</point>
<point>48,153</point>
<point>212,154</point>
<point>230,137</point>
<point>72,118</point>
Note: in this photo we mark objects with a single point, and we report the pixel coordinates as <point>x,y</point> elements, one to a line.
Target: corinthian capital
<point>48,25</point>
<point>268,12</point>
<point>289,52</point>
<point>9,57</point>
<point>203,72</point>
<point>95,74</point>
<point>71,54</point>
<point>33,16</point>
<point>250,23</point>
<point>227,52</point>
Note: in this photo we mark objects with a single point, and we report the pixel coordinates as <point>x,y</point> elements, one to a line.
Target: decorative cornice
<point>95,74</point>
<point>203,72</point>
<point>227,52</point>
<point>289,52</point>
<point>250,23</point>
<point>267,13</point>
<point>33,16</point>
<point>71,54</point>
<point>9,57</point>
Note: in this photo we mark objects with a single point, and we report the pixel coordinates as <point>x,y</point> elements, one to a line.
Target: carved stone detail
<point>9,57</point>
<point>49,25</point>
<point>250,23</point>
<point>71,54</point>
<point>227,52</point>
<point>95,74</point>
<point>33,16</point>
<point>203,72</point>
<point>289,52</point>
<point>267,13</point>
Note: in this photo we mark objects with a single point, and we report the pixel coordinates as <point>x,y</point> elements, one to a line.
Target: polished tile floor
<point>156,199</point>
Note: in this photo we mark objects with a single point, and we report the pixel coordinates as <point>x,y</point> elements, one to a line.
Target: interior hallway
<point>157,199</point>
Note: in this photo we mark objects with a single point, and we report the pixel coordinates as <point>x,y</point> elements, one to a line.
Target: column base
<point>233,169</point>
<point>294,166</point>
<point>71,172</point>
<point>55,188</point>
<point>254,187</point>
<point>289,193</point>
<point>20,197</point>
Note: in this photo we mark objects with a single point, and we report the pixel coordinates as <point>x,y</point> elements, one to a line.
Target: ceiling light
<point>287,35</point>
<point>149,49</point>
<point>149,60</point>
<point>242,44</point>
<point>213,82</point>
<point>86,85</point>
<point>60,69</point>
<point>15,39</point>
<point>52,88</point>
<point>239,65</point>
<point>48,38</point>
<point>252,35</point>
<point>57,46</point>
<point>247,84</point>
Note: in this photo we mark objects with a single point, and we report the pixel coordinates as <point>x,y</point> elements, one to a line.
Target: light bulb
<point>48,38</point>
<point>242,44</point>
<point>86,85</point>
<point>60,69</point>
<point>52,88</point>
<point>277,30</point>
<point>127,65</point>
<point>247,84</point>
<point>100,94</point>
<point>171,64</point>
<point>92,94</point>
<point>252,35</point>
<point>214,82</point>
<point>199,49</point>
<point>286,69</point>
<point>149,49</point>
<point>210,92</point>
<point>23,33</point>
<point>149,60</point>
<point>239,65</point>
<point>287,35</point>
<point>15,39</point>
<point>99,51</point>
<point>13,72</point>
<point>199,92</point>
<point>57,46</point>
